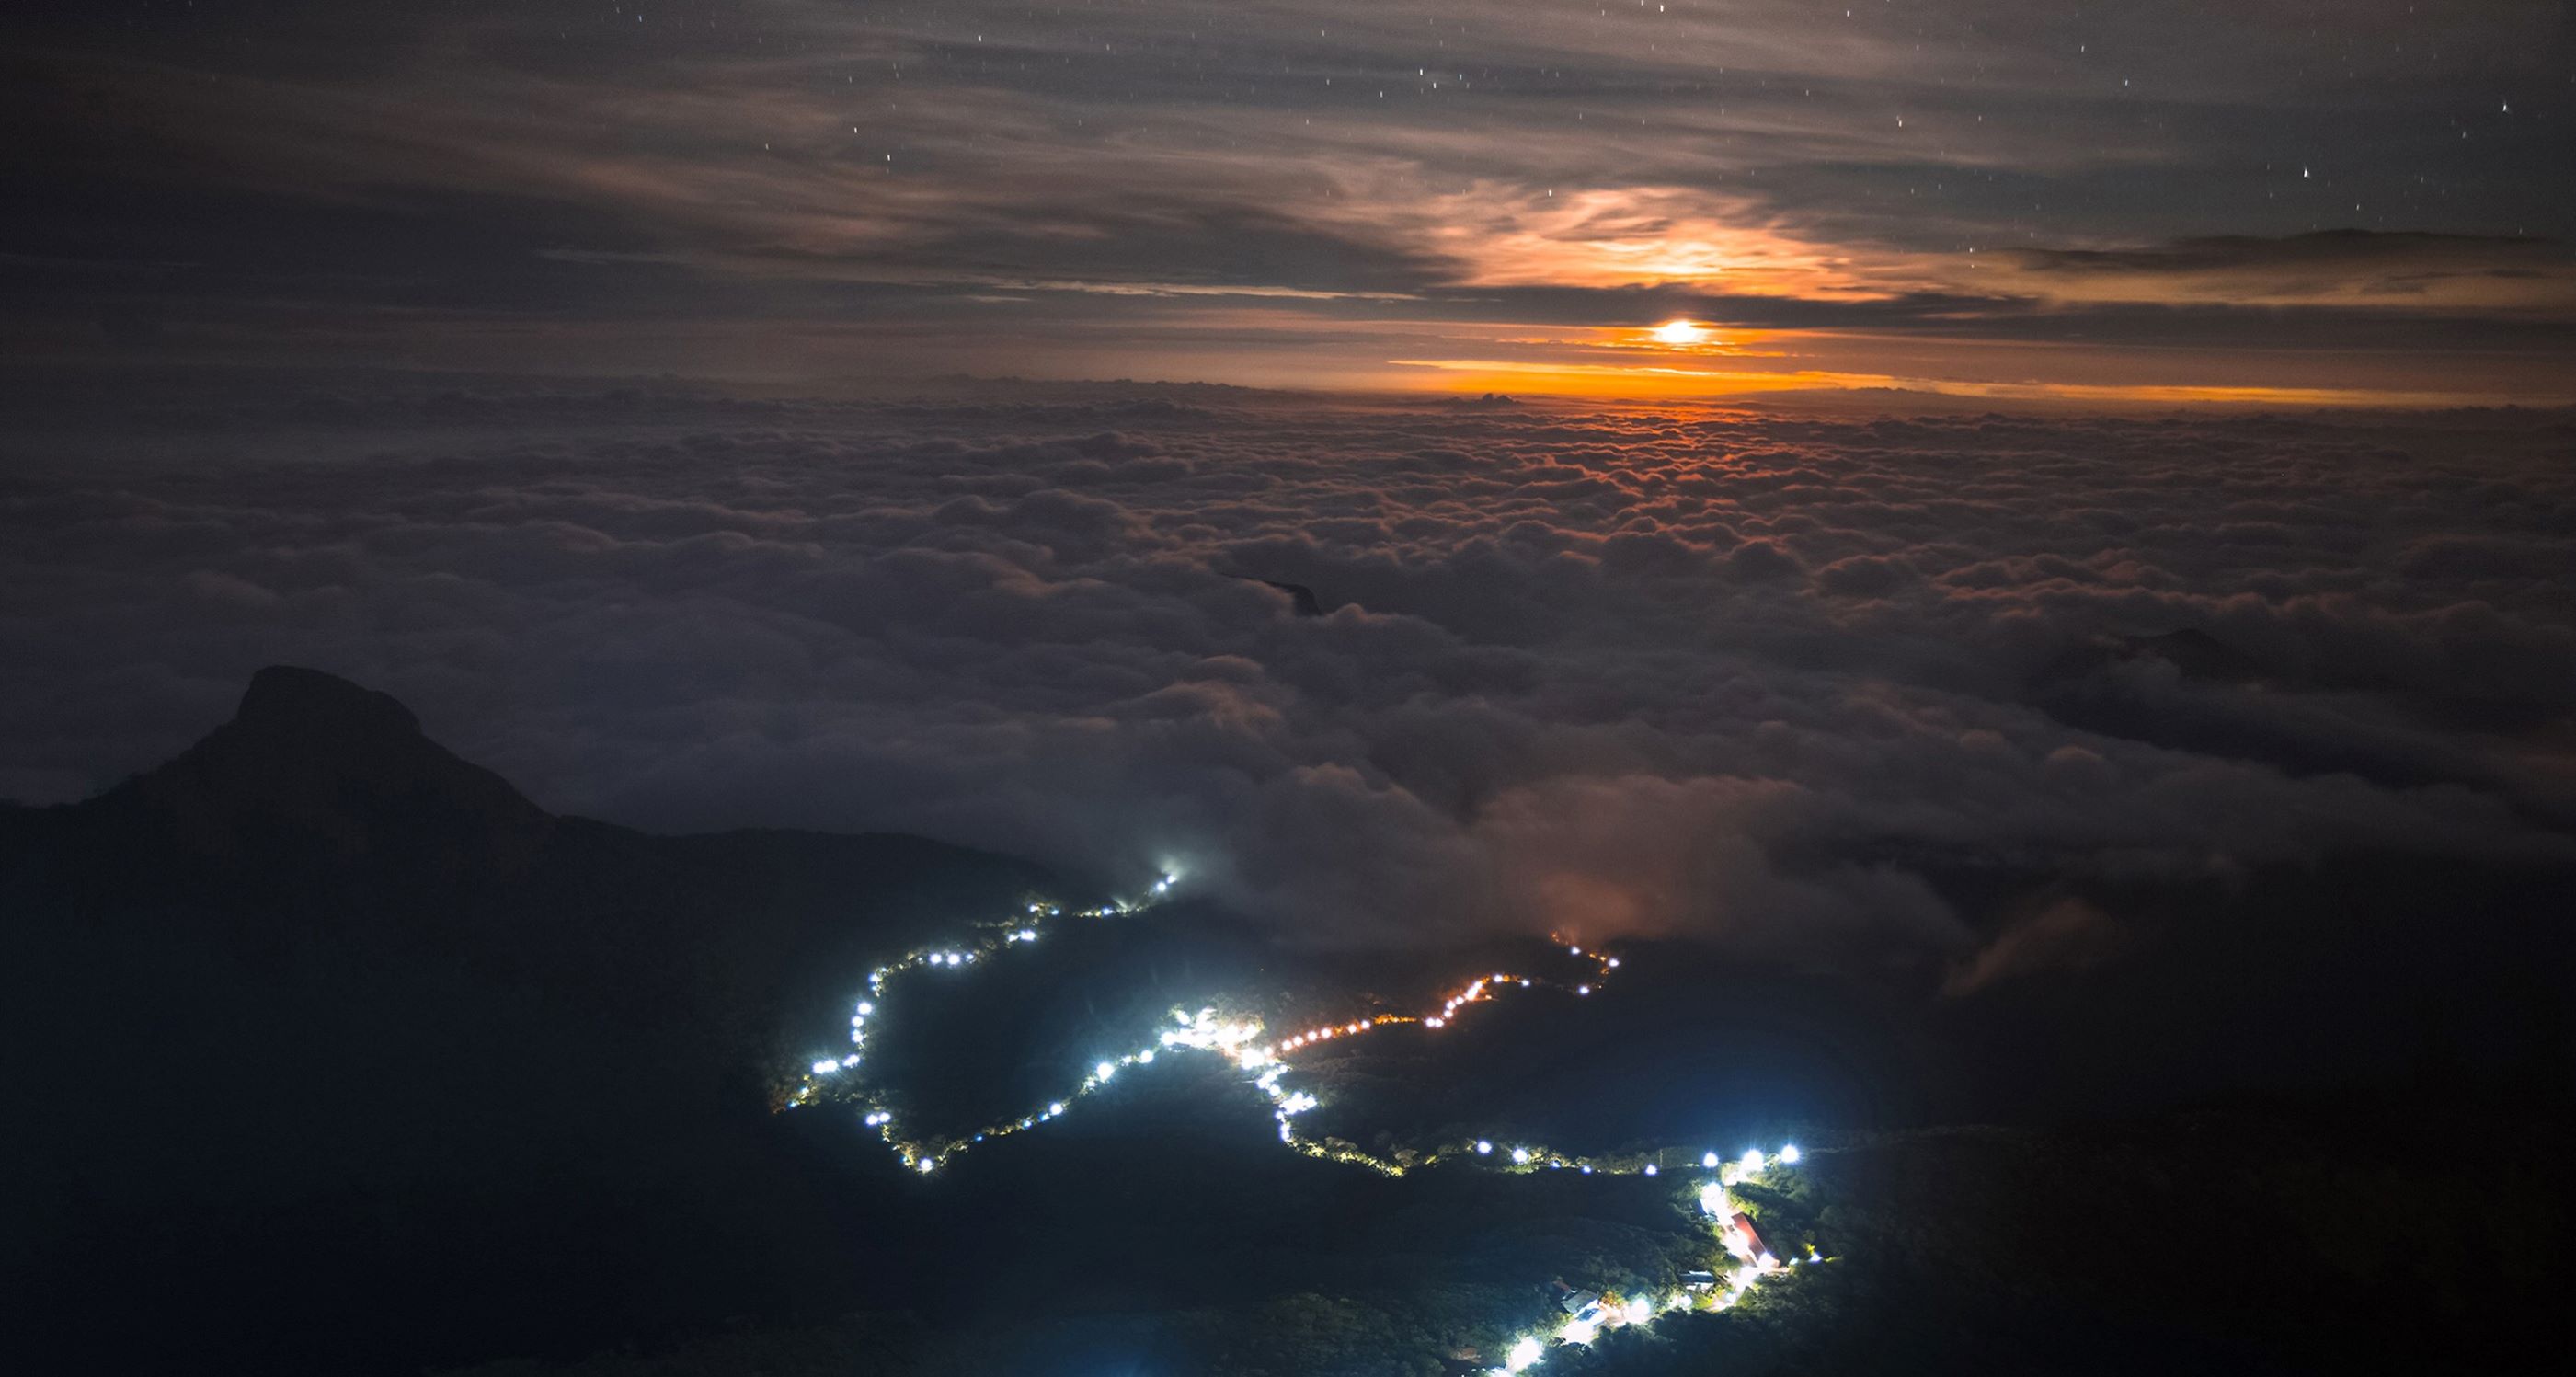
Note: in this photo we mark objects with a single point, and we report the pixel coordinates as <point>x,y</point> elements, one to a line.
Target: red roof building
<point>1745,1241</point>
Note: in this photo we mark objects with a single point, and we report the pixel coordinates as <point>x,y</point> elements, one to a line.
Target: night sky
<point>2278,200</point>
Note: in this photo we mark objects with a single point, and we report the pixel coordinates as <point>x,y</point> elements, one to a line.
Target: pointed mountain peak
<point>293,698</point>
<point>312,764</point>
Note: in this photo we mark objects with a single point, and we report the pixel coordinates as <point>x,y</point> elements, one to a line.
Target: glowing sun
<point>1678,333</point>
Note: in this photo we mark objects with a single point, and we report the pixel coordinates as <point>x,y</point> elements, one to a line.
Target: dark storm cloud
<point>992,182</point>
<point>1757,680</point>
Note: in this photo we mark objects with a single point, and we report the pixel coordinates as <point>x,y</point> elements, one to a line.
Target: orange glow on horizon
<point>1627,380</point>
<point>1670,383</point>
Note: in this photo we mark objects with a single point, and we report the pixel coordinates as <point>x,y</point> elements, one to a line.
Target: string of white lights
<point>1268,1064</point>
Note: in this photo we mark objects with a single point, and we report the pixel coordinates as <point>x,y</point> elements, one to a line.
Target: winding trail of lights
<point>1267,1066</point>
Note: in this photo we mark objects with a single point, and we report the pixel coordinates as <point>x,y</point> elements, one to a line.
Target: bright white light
<point>1524,1354</point>
<point>1640,1310</point>
<point>1678,333</point>
<point>1578,1331</point>
<point>1264,1064</point>
<point>1708,1160</point>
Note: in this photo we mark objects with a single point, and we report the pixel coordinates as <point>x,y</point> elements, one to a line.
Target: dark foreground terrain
<point>329,1052</point>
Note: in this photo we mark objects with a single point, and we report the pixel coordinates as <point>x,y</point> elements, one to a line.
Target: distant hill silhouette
<point>323,1018</point>
<point>2194,653</point>
<point>1301,599</point>
<point>320,809</point>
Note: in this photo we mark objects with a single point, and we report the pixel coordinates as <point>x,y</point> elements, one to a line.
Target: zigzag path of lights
<point>1206,1032</point>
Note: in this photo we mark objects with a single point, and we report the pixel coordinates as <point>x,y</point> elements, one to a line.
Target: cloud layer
<point>1763,680</point>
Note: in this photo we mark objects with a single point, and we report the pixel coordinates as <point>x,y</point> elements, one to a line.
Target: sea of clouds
<point>1741,676</point>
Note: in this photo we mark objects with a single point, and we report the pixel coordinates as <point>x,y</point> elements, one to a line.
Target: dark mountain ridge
<point>318,1019</point>
<point>321,811</point>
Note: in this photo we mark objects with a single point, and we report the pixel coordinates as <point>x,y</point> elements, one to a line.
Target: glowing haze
<point>2266,200</point>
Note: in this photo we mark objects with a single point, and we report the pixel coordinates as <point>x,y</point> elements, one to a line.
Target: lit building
<point>1745,1241</point>
<point>1584,1306</point>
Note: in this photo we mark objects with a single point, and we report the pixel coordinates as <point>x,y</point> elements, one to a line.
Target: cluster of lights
<point>1239,1041</point>
<point>1528,1351</point>
<point>989,939</point>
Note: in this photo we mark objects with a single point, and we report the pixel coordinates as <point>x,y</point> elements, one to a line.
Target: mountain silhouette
<point>322,810</point>
<point>2194,654</point>
<point>1301,599</point>
<point>315,772</point>
<point>319,1020</point>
